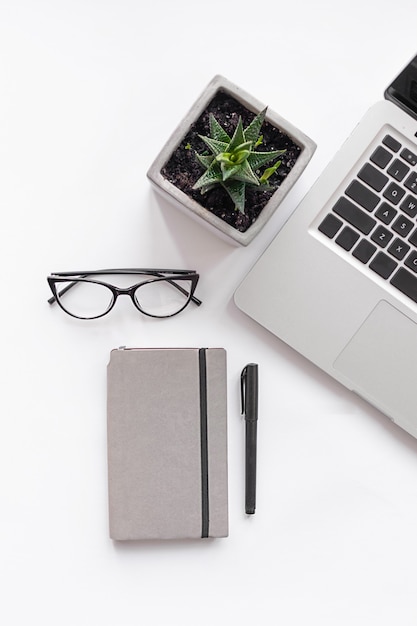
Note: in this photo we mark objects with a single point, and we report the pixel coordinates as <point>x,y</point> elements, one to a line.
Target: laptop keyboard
<point>375,218</point>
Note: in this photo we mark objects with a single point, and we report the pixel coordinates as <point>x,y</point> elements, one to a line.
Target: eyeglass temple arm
<point>125,270</point>
<point>64,290</point>
<point>68,287</point>
<point>193,298</point>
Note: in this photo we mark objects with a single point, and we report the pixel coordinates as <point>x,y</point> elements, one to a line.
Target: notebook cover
<point>167,443</point>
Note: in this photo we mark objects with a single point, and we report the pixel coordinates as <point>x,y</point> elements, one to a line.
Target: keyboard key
<point>406,282</point>
<point>355,216</point>
<point>373,177</point>
<point>381,236</point>
<point>408,156</point>
<point>394,193</point>
<point>330,225</point>
<point>411,182</point>
<point>398,249</point>
<point>383,265</point>
<point>411,261</point>
<point>398,170</point>
<point>402,226</point>
<point>381,157</point>
<point>362,195</point>
<point>413,239</point>
<point>391,143</point>
<point>364,250</point>
<point>409,206</point>
<point>347,238</point>
<point>385,213</point>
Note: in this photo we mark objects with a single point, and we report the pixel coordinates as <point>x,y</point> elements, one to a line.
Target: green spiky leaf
<point>207,188</point>
<point>233,158</point>
<point>205,160</point>
<point>236,191</point>
<point>215,145</point>
<point>216,131</point>
<point>212,175</point>
<point>229,172</point>
<point>269,171</point>
<point>238,137</point>
<point>254,128</point>
<point>257,159</point>
<point>246,174</point>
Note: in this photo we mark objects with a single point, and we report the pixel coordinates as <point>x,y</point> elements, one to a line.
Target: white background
<point>89,92</point>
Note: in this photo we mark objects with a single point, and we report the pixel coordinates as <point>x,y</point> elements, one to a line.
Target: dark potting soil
<point>183,169</point>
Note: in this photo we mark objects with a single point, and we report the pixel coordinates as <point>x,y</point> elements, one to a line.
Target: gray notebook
<point>167,443</point>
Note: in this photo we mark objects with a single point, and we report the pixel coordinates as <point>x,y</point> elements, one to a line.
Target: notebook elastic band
<point>204,444</point>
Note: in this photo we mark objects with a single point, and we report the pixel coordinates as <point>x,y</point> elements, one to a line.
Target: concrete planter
<point>190,205</point>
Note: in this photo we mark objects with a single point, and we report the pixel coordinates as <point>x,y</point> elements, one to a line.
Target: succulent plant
<point>234,162</point>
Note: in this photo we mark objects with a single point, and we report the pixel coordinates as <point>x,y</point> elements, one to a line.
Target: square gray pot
<point>191,206</point>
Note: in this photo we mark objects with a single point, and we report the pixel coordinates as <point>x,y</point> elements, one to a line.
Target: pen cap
<point>249,381</point>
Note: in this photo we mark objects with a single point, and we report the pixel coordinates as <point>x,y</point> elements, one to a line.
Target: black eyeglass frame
<point>167,275</point>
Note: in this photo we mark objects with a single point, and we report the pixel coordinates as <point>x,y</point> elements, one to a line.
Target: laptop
<point>339,281</point>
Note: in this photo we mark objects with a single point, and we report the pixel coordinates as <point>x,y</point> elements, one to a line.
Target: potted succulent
<point>230,162</point>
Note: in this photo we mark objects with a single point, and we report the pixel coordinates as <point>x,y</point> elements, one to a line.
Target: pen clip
<point>243,391</point>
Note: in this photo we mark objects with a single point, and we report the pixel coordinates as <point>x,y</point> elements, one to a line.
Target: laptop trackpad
<point>380,361</point>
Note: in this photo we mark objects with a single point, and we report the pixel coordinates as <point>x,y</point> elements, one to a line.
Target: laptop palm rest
<point>380,363</point>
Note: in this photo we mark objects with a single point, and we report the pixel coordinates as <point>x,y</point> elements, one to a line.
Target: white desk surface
<point>89,92</point>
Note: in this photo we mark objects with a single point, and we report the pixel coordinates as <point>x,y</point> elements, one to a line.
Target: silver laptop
<point>339,281</point>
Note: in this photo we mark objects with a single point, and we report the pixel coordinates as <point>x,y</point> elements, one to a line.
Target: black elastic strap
<point>204,444</point>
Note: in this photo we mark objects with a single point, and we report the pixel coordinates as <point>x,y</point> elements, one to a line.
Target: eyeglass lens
<point>85,299</point>
<point>163,298</point>
<point>159,298</point>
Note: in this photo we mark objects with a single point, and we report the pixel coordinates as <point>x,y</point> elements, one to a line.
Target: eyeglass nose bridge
<point>128,291</point>
<point>124,291</point>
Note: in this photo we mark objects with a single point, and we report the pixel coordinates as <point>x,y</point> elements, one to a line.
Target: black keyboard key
<point>330,225</point>
<point>411,182</point>
<point>413,239</point>
<point>394,193</point>
<point>362,195</point>
<point>411,261</point>
<point>355,216</point>
<point>364,250</point>
<point>391,143</point>
<point>383,265</point>
<point>385,213</point>
<point>402,226</point>
<point>381,157</point>
<point>398,170</point>
<point>381,236</point>
<point>409,206</point>
<point>406,282</point>
<point>398,249</point>
<point>409,156</point>
<point>347,238</point>
<point>373,177</point>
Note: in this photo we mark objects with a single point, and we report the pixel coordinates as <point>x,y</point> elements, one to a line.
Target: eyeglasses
<point>160,293</point>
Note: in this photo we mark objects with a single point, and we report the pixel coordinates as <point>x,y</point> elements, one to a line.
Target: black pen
<point>249,399</point>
